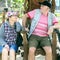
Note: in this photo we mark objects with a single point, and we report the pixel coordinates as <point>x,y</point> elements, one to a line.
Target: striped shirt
<point>42,27</point>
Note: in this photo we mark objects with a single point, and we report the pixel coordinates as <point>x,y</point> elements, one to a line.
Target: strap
<point>5,24</point>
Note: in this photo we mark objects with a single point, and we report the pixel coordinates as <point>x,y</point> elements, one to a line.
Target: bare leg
<point>31,55</point>
<point>12,54</point>
<point>4,54</point>
<point>48,51</point>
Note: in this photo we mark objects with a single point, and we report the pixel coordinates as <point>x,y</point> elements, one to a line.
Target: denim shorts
<point>14,46</point>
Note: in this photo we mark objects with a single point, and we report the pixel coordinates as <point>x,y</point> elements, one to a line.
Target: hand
<point>50,31</point>
<point>7,47</point>
<point>25,29</point>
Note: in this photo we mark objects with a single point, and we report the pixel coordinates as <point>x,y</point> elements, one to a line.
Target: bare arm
<point>24,19</point>
<point>56,26</point>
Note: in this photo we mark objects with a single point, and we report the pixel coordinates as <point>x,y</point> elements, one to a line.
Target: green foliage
<point>16,1</point>
<point>57,14</point>
<point>0,0</point>
<point>21,1</point>
<point>18,5</point>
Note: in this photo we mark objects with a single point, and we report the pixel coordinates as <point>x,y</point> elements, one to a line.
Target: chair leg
<point>25,44</point>
<point>0,56</point>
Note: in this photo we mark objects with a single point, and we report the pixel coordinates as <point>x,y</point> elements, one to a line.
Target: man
<point>42,24</point>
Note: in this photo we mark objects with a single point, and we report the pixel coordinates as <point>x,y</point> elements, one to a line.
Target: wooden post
<point>54,43</point>
<point>54,40</point>
<point>25,44</point>
<point>53,6</point>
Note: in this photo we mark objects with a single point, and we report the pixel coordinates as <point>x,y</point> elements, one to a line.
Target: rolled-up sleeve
<point>55,20</point>
<point>31,14</point>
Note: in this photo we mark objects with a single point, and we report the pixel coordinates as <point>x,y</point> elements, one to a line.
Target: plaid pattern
<point>10,34</point>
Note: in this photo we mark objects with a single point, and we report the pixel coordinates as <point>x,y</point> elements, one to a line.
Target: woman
<point>8,35</point>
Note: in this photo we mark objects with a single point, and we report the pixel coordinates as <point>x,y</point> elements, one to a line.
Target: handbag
<point>19,38</point>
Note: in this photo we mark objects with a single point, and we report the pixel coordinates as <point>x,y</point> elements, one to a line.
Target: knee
<point>48,51</point>
<point>4,50</point>
<point>32,50</point>
<point>12,51</point>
